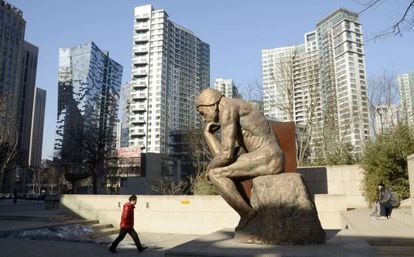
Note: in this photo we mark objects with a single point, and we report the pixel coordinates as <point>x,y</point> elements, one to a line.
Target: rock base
<point>285,213</point>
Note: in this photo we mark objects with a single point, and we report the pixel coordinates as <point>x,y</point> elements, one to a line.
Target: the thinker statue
<point>248,147</point>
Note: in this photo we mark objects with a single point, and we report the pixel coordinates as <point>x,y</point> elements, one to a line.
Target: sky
<point>236,30</point>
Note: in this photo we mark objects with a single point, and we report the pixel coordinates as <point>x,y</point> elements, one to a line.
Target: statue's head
<point>207,104</point>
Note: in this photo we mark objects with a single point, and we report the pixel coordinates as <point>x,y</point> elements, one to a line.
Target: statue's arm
<point>224,152</point>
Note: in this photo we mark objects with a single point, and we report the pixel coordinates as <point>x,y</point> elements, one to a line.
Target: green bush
<point>201,185</point>
<point>385,160</point>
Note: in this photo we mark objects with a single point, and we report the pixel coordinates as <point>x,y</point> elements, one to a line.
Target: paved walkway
<point>392,228</point>
<point>31,214</point>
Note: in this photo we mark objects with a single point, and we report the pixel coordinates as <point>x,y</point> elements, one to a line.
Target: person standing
<point>127,226</point>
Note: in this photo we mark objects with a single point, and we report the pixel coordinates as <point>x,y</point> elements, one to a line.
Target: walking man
<point>127,226</point>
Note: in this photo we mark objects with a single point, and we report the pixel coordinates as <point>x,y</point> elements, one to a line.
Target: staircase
<point>101,230</point>
<point>392,237</point>
<point>392,247</point>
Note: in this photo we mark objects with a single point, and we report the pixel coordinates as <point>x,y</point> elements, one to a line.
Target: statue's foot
<point>245,220</point>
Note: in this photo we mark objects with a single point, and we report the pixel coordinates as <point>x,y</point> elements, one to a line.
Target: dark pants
<point>121,236</point>
<point>385,209</point>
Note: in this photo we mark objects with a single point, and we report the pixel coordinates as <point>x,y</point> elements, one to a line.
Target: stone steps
<point>99,226</point>
<point>403,248</point>
<point>101,230</point>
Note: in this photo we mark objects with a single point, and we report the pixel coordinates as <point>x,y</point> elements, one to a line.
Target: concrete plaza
<point>363,237</point>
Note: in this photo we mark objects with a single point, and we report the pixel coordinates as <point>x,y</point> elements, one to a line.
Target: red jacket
<point>127,218</point>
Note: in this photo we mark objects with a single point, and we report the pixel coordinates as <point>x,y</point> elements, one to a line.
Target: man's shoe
<point>112,250</point>
<point>142,249</point>
<point>382,218</point>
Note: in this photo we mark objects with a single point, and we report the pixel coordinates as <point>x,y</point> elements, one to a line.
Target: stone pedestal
<point>285,213</point>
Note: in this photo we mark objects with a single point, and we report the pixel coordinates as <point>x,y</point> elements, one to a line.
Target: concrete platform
<point>344,243</point>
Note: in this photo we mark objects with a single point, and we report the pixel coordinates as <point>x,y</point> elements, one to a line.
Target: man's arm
<point>224,152</point>
<point>386,197</point>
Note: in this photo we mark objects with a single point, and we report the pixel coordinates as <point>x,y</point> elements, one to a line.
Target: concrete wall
<point>334,189</point>
<point>158,214</point>
<point>183,214</point>
<point>329,209</point>
<point>410,162</point>
<point>343,180</point>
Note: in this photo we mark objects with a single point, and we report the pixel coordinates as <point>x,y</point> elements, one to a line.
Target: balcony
<point>137,132</point>
<point>138,84</point>
<point>139,72</point>
<point>138,121</point>
<point>139,60</point>
<point>138,107</point>
<point>141,38</point>
<point>140,49</point>
<point>141,27</point>
<point>142,17</point>
<point>138,96</point>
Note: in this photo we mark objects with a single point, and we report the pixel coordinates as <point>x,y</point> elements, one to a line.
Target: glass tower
<point>89,86</point>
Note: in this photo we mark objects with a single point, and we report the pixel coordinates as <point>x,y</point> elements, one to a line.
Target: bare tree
<point>291,87</point>
<point>166,186</point>
<point>403,23</point>
<point>383,97</point>
<point>8,142</point>
<point>197,146</point>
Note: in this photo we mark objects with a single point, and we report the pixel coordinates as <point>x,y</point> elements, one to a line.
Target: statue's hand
<point>212,127</point>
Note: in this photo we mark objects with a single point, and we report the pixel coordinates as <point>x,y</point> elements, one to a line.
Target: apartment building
<point>321,83</point>
<point>170,66</point>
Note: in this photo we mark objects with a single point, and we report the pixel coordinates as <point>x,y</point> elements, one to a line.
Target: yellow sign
<point>185,201</point>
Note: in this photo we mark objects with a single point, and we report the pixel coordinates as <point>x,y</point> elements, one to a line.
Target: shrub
<point>201,185</point>
<point>385,160</point>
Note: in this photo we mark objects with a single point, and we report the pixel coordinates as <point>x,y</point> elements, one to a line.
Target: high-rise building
<point>406,88</point>
<point>36,141</point>
<point>227,88</point>
<point>321,82</point>
<point>12,29</point>
<point>26,99</point>
<point>170,66</point>
<point>89,87</point>
<point>17,85</point>
<point>125,113</point>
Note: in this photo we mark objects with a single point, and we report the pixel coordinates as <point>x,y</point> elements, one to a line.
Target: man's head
<point>133,199</point>
<point>381,186</point>
<point>207,104</point>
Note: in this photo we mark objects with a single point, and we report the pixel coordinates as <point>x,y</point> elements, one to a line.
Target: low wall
<point>158,214</point>
<point>345,180</point>
<point>410,163</point>
<point>183,214</point>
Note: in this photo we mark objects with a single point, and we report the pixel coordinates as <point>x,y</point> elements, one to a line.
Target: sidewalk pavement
<point>360,221</point>
<point>31,214</point>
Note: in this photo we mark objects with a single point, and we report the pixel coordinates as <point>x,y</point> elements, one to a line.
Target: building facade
<point>170,66</point>
<point>89,86</point>
<point>227,88</point>
<point>18,67</point>
<point>12,30</point>
<point>36,141</point>
<point>406,88</point>
<point>321,83</point>
<point>125,113</point>
<point>26,100</point>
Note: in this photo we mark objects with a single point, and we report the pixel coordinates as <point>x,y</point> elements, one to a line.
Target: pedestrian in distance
<point>388,199</point>
<point>127,226</point>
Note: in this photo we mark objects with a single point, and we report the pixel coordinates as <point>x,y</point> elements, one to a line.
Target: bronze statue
<point>248,147</point>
